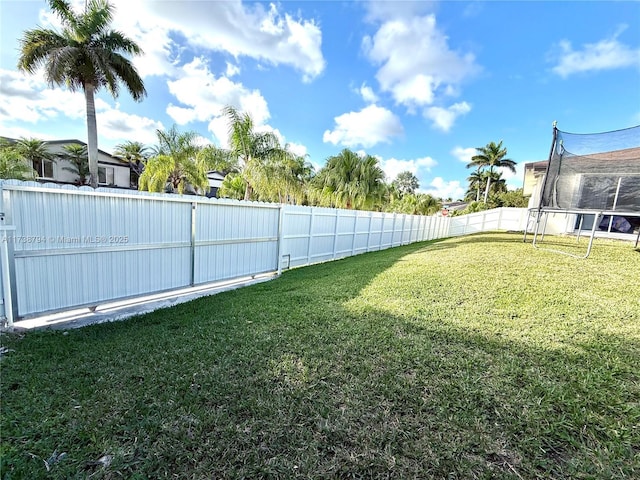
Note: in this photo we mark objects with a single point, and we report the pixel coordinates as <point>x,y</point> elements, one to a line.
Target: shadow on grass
<point>292,379</point>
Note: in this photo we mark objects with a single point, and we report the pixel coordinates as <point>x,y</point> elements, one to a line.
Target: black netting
<point>598,171</point>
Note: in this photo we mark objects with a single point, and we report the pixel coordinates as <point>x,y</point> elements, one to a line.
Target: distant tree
<point>218,159</point>
<point>86,55</point>
<point>36,153</point>
<point>13,164</point>
<point>477,181</point>
<point>283,178</point>
<point>136,155</point>
<point>349,180</point>
<point>415,204</point>
<point>406,182</point>
<point>472,207</point>
<point>252,149</point>
<point>427,205</point>
<point>78,159</point>
<point>175,166</point>
<point>511,198</point>
<point>489,158</point>
<point>233,186</point>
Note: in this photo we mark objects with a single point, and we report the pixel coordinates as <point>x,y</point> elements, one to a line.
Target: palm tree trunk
<point>478,193</point>
<point>247,192</point>
<point>486,192</point>
<point>92,135</point>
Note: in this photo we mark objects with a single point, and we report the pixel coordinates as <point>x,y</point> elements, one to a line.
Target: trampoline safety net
<point>599,171</point>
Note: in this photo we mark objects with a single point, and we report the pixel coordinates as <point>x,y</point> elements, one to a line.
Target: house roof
<point>536,165</point>
<point>455,205</point>
<point>215,175</point>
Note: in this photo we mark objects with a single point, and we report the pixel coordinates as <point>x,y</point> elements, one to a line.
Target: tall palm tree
<point>350,181</point>
<point>491,156</point>
<point>175,165</point>
<point>135,154</point>
<point>76,155</point>
<point>251,149</point>
<point>36,153</point>
<point>87,55</point>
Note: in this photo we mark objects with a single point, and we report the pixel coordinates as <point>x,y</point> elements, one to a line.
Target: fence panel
<point>232,240</point>
<point>73,249</point>
<point>67,247</point>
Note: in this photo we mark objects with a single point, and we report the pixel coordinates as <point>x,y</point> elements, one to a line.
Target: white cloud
<point>368,127</point>
<point>440,188</point>
<point>514,180</point>
<point>463,154</point>
<point>416,62</point>
<point>250,30</point>
<point>444,118</point>
<point>28,99</point>
<point>232,70</point>
<point>367,94</point>
<point>203,97</point>
<point>219,127</point>
<point>117,125</point>
<point>606,54</point>
<point>298,149</point>
<point>392,167</point>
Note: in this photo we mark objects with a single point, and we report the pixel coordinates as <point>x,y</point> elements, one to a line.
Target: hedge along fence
<point>65,247</point>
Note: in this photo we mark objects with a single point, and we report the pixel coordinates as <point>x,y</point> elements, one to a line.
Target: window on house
<point>43,168</point>
<point>106,175</point>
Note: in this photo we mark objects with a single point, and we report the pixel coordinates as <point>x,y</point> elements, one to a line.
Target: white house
<point>112,171</point>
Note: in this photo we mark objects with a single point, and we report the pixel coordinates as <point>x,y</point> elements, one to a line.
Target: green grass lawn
<point>472,357</point>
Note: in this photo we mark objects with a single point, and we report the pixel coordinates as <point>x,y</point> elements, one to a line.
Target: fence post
<point>369,230</point>
<point>310,236</point>
<point>194,207</point>
<point>335,233</point>
<point>355,232</point>
<point>280,235</point>
<point>404,222</point>
<point>393,231</point>
<point>7,261</point>
<point>500,218</point>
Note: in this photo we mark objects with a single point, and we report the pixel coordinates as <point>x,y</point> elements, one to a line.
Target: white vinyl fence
<point>65,247</point>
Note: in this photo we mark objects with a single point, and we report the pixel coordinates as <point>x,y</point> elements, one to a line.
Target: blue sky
<point>419,85</point>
